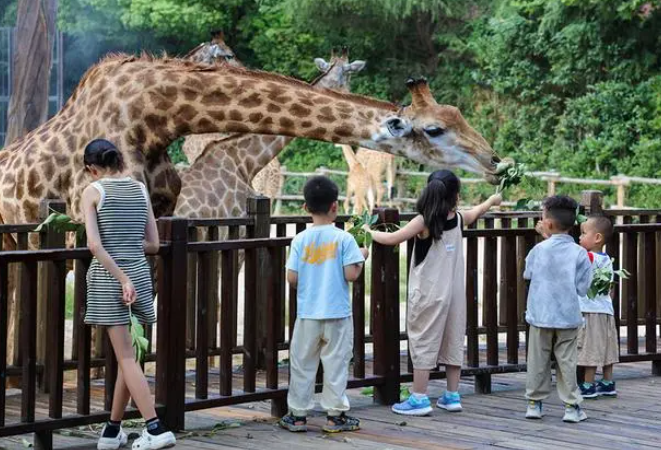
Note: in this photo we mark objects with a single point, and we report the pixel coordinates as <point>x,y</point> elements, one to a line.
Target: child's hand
<point>365,252</point>
<point>539,227</point>
<point>366,228</point>
<point>495,199</point>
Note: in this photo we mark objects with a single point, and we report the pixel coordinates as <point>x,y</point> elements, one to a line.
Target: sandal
<point>336,424</point>
<point>294,423</point>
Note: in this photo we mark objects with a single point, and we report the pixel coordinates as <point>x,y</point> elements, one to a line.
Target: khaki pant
<point>332,341</point>
<point>538,379</point>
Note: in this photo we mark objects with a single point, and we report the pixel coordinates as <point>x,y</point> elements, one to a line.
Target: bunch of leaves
<point>604,279</point>
<point>61,223</point>
<point>363,237</point>
<point>580,218</point>
<point>510,174</point>
<point>527,204</point>
<point>138,340</point>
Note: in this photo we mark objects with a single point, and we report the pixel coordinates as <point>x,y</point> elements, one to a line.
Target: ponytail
<point>437,200</point>
<point>103,154</point>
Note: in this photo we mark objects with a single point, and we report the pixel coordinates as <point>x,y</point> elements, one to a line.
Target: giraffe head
<point>214,52</point>
<point>437,135</point>
<point>336,73</point>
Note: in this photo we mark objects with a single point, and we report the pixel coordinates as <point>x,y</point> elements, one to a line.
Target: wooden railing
<point>218,343</point>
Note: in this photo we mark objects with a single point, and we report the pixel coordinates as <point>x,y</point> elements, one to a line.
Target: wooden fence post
<point>47,295</point>
<point>551,180</point>
<point>593,202</point>
<point>622,182</point>
<point>259,209</point>
<point>385,311</point>
<point>171,330</point>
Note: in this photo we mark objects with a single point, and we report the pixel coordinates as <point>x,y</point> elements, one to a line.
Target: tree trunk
<point>28,106</point>
<point>34,38</point>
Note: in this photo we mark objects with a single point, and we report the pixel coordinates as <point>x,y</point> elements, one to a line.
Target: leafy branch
<point>363,237</point>
<point>61,223</point>
<point>603,280</point>
<point>510,174</point>
<point>138,340</point>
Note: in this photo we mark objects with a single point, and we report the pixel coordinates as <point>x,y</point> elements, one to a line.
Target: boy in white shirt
<point>597,339</point>
<point>559,271</point>
<point>322,261</point>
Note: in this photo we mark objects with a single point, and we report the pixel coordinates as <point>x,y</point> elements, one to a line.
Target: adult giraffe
<point>144,103</point>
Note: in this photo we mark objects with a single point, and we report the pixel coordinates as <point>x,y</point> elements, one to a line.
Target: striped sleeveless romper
<point>121,217</point>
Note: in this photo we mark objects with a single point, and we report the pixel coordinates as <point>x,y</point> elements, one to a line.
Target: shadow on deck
<point>632,421</point>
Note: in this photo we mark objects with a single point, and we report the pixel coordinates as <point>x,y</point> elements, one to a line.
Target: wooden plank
<point>227,314</point>
<point>649,250</point>
<point>55,343</point>
<point>205,271</point>
<point>630,289</point>
<point>472,350</point>
<point>271,353</point>
<point>250,323</point>
<point>212,285</point>
<point>191,290</point>
<point>29,340</point>
<point>82,340</point>
<point>510,296</point>
<point>410,246</point>
<point>358,307</point>
<point>490,299</point>
<point>613,250</point>
<point>234,235</point>
<point>22,244</point>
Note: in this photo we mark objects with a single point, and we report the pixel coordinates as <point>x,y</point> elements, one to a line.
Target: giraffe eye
<point>434,131</point>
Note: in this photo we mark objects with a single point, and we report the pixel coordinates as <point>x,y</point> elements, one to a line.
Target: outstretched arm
<point>473,214</point>
<point>412,229</point>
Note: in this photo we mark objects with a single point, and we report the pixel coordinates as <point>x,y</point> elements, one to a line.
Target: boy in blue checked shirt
<point>560,272</point>
<point>323,260</point>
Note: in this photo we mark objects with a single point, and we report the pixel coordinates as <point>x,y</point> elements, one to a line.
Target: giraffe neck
<point>164,100</point>
<point>259,150</point>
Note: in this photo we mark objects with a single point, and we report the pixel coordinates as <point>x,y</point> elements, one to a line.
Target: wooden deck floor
<point>632,421</point>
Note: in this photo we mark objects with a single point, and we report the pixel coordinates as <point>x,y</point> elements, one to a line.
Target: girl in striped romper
<point>121,229</point>
<point>436,310</point>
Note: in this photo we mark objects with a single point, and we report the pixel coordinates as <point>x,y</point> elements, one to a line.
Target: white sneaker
<point>574,414</point>
<point>150,442</point>
<point>106,443</point>
<point>534,410</point>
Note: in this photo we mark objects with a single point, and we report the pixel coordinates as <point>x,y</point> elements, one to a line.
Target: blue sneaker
<point>450,402</point>
<point>589,390</point>
<point>606,388</point>
<point>413,406</point>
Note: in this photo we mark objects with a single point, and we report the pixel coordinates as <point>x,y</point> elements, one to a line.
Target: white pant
<point>332,340</point>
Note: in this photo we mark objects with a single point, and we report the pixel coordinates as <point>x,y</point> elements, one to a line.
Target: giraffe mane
<point>182,65</point>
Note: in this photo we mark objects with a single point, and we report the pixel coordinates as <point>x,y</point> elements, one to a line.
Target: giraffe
<point>365,178</point>
<point>378,165</point>
<point>358,183</point>
<point>143,103</point>
<point>253,159</point>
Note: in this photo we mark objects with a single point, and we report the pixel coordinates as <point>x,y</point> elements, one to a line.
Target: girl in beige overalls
<point>436,314</point>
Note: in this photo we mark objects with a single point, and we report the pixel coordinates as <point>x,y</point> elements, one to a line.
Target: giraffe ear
<point>355,66</point>
<point>321,64</point>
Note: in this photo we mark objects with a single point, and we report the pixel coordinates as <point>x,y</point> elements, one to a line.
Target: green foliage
<point>61,223</point>
<point>138,340</point>
<point>567,85</point>
<point>360,234</point>
<point>603,280</point>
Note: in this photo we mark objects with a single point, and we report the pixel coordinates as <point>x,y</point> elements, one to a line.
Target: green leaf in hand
<point>138,340</point>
